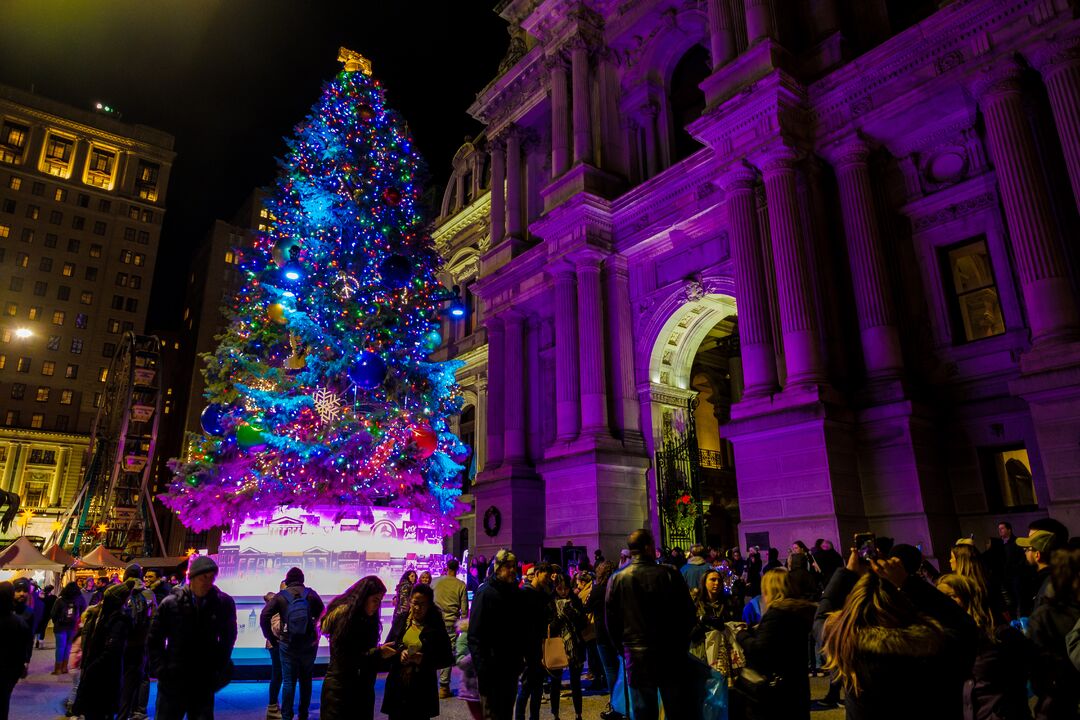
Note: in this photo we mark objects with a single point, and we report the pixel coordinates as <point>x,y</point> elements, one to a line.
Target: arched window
<point>687,100</point>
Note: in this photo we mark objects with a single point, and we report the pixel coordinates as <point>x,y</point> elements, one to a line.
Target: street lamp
<point>23,333</point>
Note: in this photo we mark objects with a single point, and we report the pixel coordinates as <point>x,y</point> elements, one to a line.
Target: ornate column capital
<point>587,258</point>
<point>997,79</point>
<point>778,158</point>
<point>557,61</point>
<point>738,177</point>
<point>847,152</point>
<point>1057,53</point>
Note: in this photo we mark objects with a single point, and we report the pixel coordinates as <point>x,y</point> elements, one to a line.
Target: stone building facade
<point>837,234</point>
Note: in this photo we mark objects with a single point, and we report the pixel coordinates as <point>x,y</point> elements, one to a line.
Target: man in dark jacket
<point>650,616</point>
<point>15,636</point>
<point>299,609</point>
<point>25,611</point>
<point>494,643</point>
<point>190,645</point>
<point>1038,548</point>
<point>140,607</point>
<point>537,611</point>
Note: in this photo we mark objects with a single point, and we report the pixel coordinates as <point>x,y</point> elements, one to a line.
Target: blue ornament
<point>211,418</point>
<point>368,371</point>
<point>396,271</point>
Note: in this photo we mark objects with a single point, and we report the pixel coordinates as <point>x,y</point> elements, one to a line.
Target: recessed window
<point>62,422</point>
<point>104,205</point>
<point>1009,485</point>
<point>34,313</point>
<point>28,235</point>
<point>78,222</point>
<point>58,317</point>
<point>42,394</point>
<point>86,298</point>
<point>22,260</point>
<point>18,391</point>
<point>95,251</point>
<point>11,418</point>
<point>131,305</point>
<point>15,284</point>
<point>45,264</point>
<point>80,321</point>
<point>135,282</point>
<point>99,168</point>
<point>146,180</point>
<point>107,350</point>
<point>103,374</point>
<point>83,200</point>
<point>72,372</point>
<point>972,291</point>
<point>50,240</point>
<point>76,346</point>
<point>90,274</point>
<point>37,421</point>
<point>65,397</point>
<point>13,141</point>
<point>114,326</point>
<point>14,183</point>
<point>23,365</point>
<point>58,153</point>
<point>5,231</point>
<point>73,245</point>
<point>53,342</point>
<point>68,270</point>
<point>60,195</point>
<point>99,227</point>
<point>12,309</point>
<point>122,279</point>
<point>8,206</point>
<point>40,288</point>
<point>63,293</point>
<point>56,217</point>
<point>48,368</point>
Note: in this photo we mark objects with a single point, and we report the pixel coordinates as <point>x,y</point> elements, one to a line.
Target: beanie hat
<point>134,570</point>
<point>20,584</point>
<point>295,576</point>
<point>120,592</point>
<point>909,556</point>
<point>200,565</point>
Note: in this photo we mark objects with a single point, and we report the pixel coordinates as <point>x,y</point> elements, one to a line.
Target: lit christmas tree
<point>320,392</point>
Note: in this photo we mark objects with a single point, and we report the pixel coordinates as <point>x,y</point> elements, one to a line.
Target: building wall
<point>79,237</point>
<point>45,469</point>
<point>879,192</point>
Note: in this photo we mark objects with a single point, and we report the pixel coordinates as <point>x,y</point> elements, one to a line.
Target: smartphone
<point>864,542</point>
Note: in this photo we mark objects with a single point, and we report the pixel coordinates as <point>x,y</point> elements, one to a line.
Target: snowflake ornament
<point>327,404</point>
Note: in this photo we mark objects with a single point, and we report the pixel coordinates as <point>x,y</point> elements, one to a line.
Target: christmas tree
<point>320,392</point>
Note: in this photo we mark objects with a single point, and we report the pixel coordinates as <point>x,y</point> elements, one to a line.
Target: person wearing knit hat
<point>98,694</point>
<point>190,643</point>
<point>299,609</point>
<point>140,607</point>
<point>15,641</point>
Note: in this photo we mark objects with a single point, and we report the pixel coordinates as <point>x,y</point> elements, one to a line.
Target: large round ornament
<point>426,440</point>
<point>249,436</point>
<point>433,339</point>
<point>211,418</point>
<point>276,312</point>
<point>395,271</point>
<point>283,251</point>
<point>368,371</point>
<point>392,196</point>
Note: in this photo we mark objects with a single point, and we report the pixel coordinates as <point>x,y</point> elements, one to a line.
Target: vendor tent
<point>22,555</point>
<point>99,558</point>
<point>60,555</point>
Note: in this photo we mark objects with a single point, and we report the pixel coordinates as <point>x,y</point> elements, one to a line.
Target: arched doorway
<point>695,375</point>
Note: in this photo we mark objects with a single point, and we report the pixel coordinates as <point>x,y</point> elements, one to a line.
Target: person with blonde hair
<point>896,634</point>
<point>776,651</point>
<point>997,687</point>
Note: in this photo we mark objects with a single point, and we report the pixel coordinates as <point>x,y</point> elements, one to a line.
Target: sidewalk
<point>40,695</point>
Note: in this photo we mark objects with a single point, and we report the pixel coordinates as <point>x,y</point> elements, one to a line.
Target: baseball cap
<point>1038,540</point>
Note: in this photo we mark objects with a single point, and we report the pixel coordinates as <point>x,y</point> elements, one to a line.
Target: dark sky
<point>230,78</point>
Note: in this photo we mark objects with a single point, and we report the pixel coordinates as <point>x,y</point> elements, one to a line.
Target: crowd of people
<point>707,634</point>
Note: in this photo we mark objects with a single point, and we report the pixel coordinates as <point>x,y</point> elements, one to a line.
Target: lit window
<point>122,279</point>
<point>11,418</point>
<point>114,326</point>
<point>58,152</point>
<point>97,399</point>
<point>12,309</point>
<point>12,142</point>
<point>5,231</point>
<point>72,372</point>
<point>34,313</point>
<point>23,365</point>
<point>263,213</point>
<point>103,375</point>
<point>15,183</point>
<point>148,216</point>
<point>58,317</point>
<point>146,180</point>
<point>43,394</point>
<point>86,298</point>
<point>973,294</point>
<point>126,256</point>
<point>37,421</point>
<point>99,168</point>
<point>48,368</point>
<point>229,257</point>
<point>140,259</point>
<point>3,361</point>
<point>68,269</point>
<point>22,260</point>
<point>33,212</point>
<point>60,195</point>
<point>95,251</point>
<point>135,283</point>
<point>65,397</point>
<point>76,346</point>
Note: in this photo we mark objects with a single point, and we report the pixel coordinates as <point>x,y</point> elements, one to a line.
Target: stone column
<point>9,463</point>
<point>1040,263</point>
<point>824,18</point>
<point>481,424</point>
<point>591,343</point>
<point>649,113</point>
<point>1059,64</point>
<point>755,332</point>
<point>513,184</point>
<point>801,348</point>
<point>870,278</point>
<point>721,33</point>
<point>20,468</point>
<point>459,191</point>
<point>567,391</point>
<point>498,190</point>
<point>560,131</point>
<point>579,69</point>
<point>759,21</point>
<point>58,477</point>
<point>496,363</point>
<point>620,330</point>
<point>514,387</point>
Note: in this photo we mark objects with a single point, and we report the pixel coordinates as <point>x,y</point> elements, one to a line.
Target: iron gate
<point>678,482</point>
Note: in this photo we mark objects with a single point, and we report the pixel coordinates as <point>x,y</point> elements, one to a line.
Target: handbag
<point>760,690</point>
<point>554,653</point>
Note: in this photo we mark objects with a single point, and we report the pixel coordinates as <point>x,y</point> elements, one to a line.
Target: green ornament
<point>249,436</point>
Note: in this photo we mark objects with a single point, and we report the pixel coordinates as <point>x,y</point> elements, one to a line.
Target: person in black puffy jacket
<point>14,637</point>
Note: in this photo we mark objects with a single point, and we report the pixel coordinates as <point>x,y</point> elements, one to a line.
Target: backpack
<point>296,625</point>
<point>138,609</point>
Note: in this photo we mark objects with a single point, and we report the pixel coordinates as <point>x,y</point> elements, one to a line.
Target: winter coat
<point>65,613</point>
<point>1054,679</point>
<point>776,648</point>
<point>14,637</point>
<point>711,617</point>
<point>190,642</point>
<point>469,689</point>
<point>595,606</point>
<point>103,664</point>
<point>933,656</point>
<point>536,612</point>
<point>403,598</point>
<point>412,691</point>
<point>25,613</point>
<point>349,688</point>
<point>494,641</point>
<point>828,562</point>
<point>650,617</point>
<point>694,569</point>
<point>279,606</point>
<point>47,602</point>
<point>568,623</point>
<point>997,688</point>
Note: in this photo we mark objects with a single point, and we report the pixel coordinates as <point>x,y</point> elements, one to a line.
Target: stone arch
<point>680,337</point>
<point>450,202</point>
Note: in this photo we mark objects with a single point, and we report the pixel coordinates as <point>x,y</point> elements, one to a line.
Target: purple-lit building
<point>765,270</point>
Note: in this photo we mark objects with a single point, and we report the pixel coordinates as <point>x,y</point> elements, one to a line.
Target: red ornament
<point>392,196</point>
<point>426,440</point>
<point>365,112</point>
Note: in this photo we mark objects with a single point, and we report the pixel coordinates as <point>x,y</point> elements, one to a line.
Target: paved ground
<point>40,696</point>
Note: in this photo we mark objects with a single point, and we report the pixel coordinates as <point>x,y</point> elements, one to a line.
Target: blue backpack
<point>297,622</point>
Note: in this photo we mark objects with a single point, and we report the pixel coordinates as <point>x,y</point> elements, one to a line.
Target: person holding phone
<point>356,657</point>
<point>412,685</point>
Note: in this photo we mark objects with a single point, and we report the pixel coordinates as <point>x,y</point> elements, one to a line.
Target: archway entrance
<point>695,376</point>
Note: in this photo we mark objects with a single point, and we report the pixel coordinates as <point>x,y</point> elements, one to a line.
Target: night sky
<point>230,78</point>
